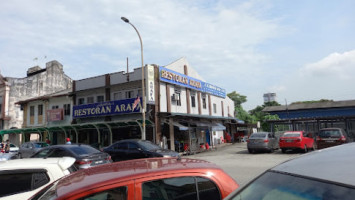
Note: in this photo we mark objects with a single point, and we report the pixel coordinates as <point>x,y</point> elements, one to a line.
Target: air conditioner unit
<point>175,97</point>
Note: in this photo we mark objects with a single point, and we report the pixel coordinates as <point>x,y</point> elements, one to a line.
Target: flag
<point>136,102</point>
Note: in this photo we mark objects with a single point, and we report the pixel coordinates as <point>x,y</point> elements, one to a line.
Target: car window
<point>291,135</point>
<point>59,153</point>
<point>258,135</point>
<point>273,185</point>
<point>18,181</point>
<point>40,145</point>
<point>83,150</point>
<point>12,145</point>
<point>181,188</point>
<point>119,193</point>
<point>43,153</point>
<point>148,145</point>
<point>329,133</point>
<point>132,145</point>
<point>121,145</point>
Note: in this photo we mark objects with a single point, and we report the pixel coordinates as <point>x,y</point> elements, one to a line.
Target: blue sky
<point>301,50</point>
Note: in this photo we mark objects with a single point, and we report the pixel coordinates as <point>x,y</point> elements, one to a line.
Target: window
<point>204,104</point>
<point>115,193</point>
<point>81,101</point>
<point>122,145</point>
<point>117,95</point>
<point>55,107</point>
<point>181,188</point>
<point>40,109</point>
<point>90,100</point>
<point>214,108</point>
<point>0,103</point>
<point>66,109</point>
<point>193,101</point>
<point>100,99</point>
<point>129,94</point>
<point>132,146</point>
<point>18,181</point>
<point>32,111</point>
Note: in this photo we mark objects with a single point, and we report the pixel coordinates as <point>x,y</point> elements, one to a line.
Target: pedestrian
<point>48,141</point>
<point>7,146</point>
<point>68,141</point>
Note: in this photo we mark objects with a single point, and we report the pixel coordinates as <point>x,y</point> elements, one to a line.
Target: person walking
<point>68,141</point>
<point>7,146</point>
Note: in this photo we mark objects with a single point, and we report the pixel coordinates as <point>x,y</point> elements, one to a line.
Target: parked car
<point>27,149</point>
<point>328,137</point>
<point>296,140</point>
<point>150,178</point>
<point>262,141</point>
<point>85,155</point>
<point>8,156</point>
<point>22,178</point>
<point>323,174</point>
<point>135,148</point>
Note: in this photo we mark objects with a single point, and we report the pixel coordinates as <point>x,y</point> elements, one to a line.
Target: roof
<point>130,169</point>
<point>61,93</point>
<point>334,164</point>
<point>36,163</point>
<point>316,105</point>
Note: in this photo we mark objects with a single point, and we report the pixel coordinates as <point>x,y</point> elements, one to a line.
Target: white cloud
<point>336,65</point>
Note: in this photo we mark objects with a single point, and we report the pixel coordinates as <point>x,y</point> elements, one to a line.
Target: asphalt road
<point>239,164</point>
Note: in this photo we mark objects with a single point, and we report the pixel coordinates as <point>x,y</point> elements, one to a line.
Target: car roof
<point>131,169</point>
<point>334,164</point>
<point>68,146</point>
<point>36,163</point>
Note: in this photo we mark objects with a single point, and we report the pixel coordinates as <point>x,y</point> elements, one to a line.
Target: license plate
<point>289,140</point>
<point>330,141</point>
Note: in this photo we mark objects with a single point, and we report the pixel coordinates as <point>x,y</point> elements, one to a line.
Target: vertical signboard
<point>150,85</point>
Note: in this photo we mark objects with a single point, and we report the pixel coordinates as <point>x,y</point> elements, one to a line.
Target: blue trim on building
<point>315,113</point>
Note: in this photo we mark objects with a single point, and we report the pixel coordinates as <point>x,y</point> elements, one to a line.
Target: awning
<point>181,127</point>
<point>218,127</point>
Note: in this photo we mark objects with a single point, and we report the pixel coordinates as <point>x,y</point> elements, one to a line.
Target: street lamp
<point>143,92</point>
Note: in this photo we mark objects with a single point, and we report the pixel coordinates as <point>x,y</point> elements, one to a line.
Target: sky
<point>301,50</point>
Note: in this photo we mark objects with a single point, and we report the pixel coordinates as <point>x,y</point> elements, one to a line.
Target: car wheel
<point>20,155</point>
<point>305,149</point>
<point>271,150</point>
<point>250,151</point>
<point>283,150</point>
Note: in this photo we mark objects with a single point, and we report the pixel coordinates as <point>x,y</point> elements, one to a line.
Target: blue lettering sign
<point>107,108</point>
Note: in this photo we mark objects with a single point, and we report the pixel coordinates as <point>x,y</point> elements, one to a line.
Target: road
<point>239,164</point>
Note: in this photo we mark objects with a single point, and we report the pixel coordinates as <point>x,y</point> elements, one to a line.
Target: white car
<point>22,178</point>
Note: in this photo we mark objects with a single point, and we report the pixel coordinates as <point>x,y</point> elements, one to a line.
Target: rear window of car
<point>40,145</point>
<point>329,133</point>
<point>83,150</point>
<point>258,135</point>
<point>273,185</point>
<point>292,135</point>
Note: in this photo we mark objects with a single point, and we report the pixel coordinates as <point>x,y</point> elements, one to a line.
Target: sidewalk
<point>241,145</point>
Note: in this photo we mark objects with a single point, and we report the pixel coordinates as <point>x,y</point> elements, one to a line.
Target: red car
<point>150,178</point>
<point>293,140</point>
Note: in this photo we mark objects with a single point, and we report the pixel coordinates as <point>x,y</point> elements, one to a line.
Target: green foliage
<point>237,98</point>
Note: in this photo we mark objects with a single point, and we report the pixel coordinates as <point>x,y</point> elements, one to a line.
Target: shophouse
<point>38,82</point>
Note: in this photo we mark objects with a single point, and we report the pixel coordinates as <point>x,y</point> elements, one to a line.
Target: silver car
<point>27,149</point>
<point>323,174</point>
<point>262,141</point>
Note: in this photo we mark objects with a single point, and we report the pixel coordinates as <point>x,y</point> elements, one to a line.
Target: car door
<point>307,139</point>
<point>27,149</point>
<point>134,151</point>
<point>118,151</point>
<point>271,143</point>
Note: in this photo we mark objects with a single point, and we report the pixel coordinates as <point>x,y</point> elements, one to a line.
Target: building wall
<point>60,101</point>
<point>46,81</point>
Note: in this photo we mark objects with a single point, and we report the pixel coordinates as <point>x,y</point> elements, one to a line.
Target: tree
<point>262,117</point>
<point>240,112</point>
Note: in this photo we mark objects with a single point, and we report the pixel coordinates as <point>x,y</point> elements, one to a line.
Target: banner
<point>107,108</point>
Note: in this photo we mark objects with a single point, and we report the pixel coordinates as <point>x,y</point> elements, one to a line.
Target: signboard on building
<point>117,107</point>
<point>150,85</point>
<point>176,78</point>
<point>55,114</point>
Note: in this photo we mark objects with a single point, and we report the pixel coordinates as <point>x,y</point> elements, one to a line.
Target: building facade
<point>38,82</point>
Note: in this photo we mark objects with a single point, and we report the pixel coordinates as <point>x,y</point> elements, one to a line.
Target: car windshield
<point>329,133</point>
<point>273,185</point>
<point>292,135</point>
<point>40,145</point>
<point>258,135</point>
<point>148,145</point>
<point>83,150</point>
